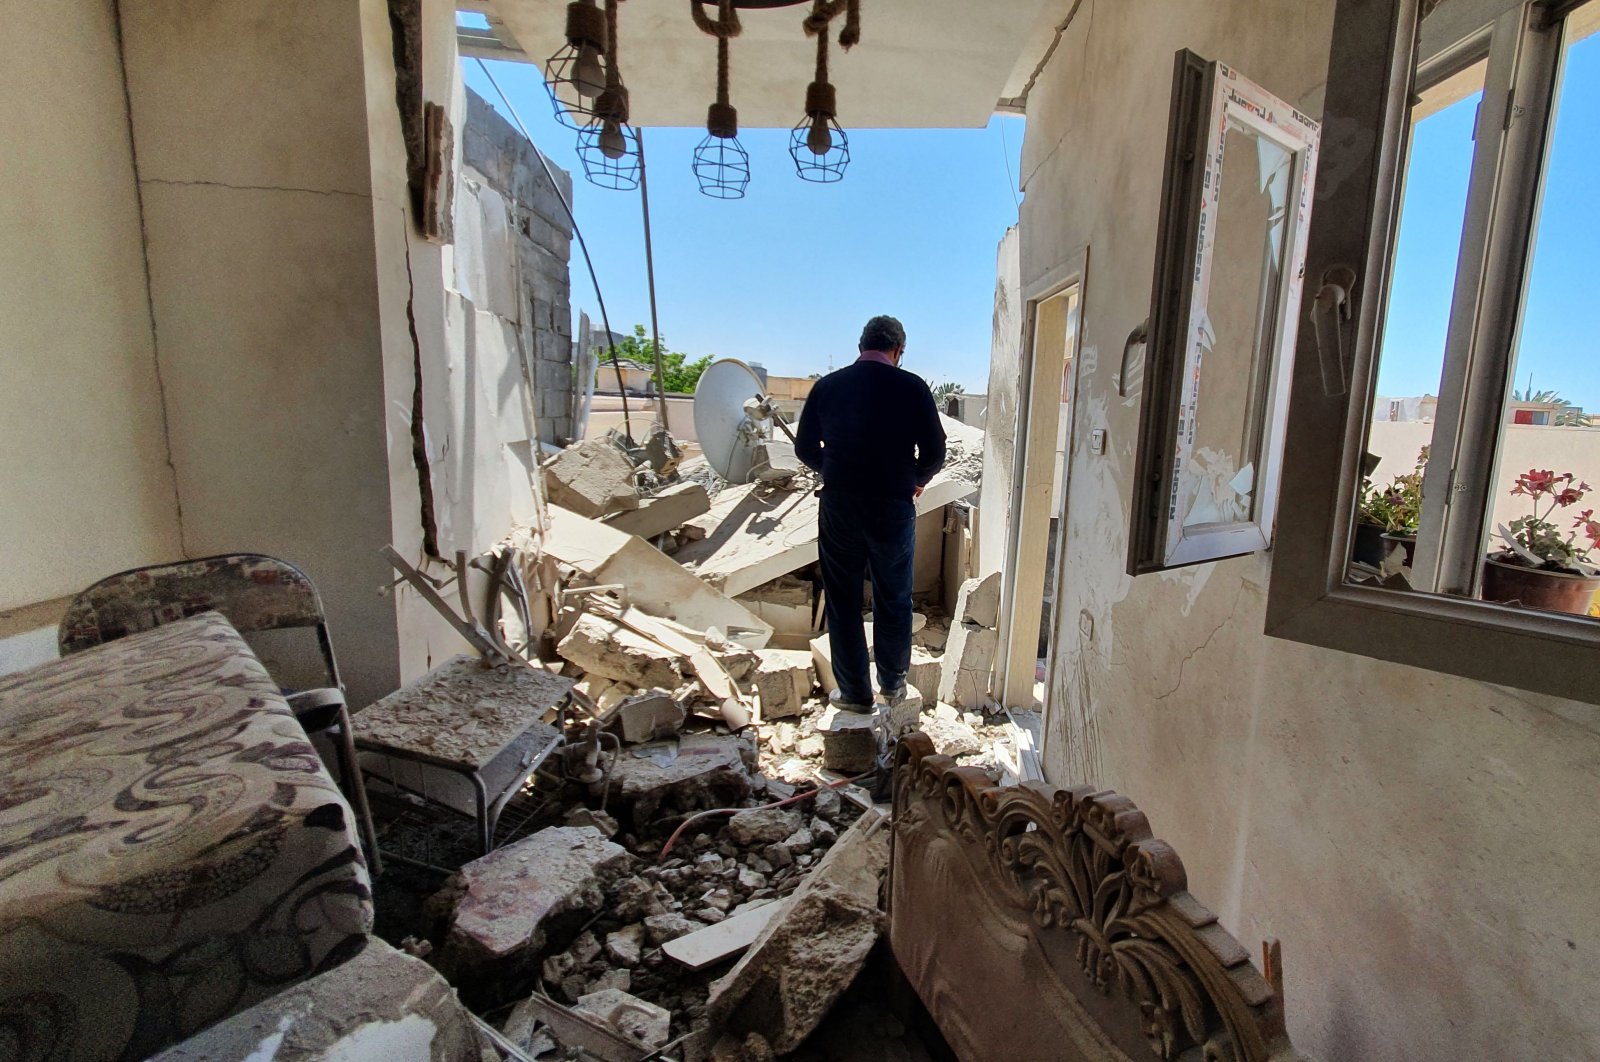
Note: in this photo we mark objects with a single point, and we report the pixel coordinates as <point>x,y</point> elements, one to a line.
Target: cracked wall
<point>1420,843</point>
<point>85,482</point>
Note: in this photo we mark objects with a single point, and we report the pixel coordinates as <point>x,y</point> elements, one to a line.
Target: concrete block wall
<point>510,164</point>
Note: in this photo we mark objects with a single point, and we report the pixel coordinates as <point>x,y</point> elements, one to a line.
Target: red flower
<point>1568,496</point>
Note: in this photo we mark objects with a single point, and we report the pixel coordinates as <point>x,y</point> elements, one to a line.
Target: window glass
<point>1552,416</point>
<point>1417,316</point>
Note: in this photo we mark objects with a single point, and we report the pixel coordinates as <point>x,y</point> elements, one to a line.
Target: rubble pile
<point>703,877</point>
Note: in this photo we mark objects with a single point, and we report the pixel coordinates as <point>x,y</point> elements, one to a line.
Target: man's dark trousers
<point>861,539</point>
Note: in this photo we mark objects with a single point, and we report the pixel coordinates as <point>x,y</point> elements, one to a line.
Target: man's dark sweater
<point>873,432</point>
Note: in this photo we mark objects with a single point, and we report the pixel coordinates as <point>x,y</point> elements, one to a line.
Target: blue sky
<point>1561,322</point>
<point>788,275</point>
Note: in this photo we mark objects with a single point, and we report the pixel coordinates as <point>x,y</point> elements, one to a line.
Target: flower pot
<point>1405,542</point>
<point>1368,547</point>
<point>1553,591</point>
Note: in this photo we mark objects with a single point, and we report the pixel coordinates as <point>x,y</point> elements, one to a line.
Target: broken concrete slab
<point>583,1031</point>
<point>646,1023</point>
<point>753,536</point>
<point>978,601</point>
<point>803,960</point>
<point>707,771</point>
<point>849,740</point>
<point>968,664</point>
<point>664,512</point>
<point>647,716</point>
<point>786,603</point>
<point>375,1003</point>
<point>656,583</point>
<point>591,478</point>
<point>763,825</point>
<point>602,646</point>
<point>783,679</point>
<point>516,897</point>
<point>950,734</point>
<point>706,947</point>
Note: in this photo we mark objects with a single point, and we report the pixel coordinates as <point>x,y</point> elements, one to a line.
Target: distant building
<point>1421,408</point>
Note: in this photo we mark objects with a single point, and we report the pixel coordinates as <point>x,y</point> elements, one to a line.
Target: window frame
<point>1366,125</point>
<point>1206,95</point>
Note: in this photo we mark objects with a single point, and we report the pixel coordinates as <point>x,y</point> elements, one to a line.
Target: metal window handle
<point>1140,335</point>
<point>1333,299</point>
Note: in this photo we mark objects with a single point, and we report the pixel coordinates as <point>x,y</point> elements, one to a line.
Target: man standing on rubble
<point>872,431</point>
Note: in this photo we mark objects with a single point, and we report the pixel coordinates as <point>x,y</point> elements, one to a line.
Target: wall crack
<point>149,289</point>
<point>419,440</point>
<point>256,187</point>
<point>1191,654</point>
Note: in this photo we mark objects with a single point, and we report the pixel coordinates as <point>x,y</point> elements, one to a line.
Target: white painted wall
<point>1000,416</point>
<point>1424,846</point>
<point>84,483</point>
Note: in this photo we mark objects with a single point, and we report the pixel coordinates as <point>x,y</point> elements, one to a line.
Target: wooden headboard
<point>1044,923</point>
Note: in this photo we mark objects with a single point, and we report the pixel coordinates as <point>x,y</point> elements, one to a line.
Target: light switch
<point>1097,441</point>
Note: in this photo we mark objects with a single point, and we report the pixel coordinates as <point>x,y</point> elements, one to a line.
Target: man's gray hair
<point>883,333</point>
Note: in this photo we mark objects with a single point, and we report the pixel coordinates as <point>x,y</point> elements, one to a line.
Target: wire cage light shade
<point>609,152</point>
<point>820,149</point>
<point>721,164</point>
<point>576,73</point>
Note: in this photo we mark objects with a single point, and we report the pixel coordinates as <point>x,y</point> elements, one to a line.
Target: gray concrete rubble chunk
<point>591,478</point>
<point>978,601</point>
<point>705,771</point>
<point>604,647</point>
<point>626,945</point>
<point>664,512</point>
<point>950,734</point>
<point>659,929</point>
<point>807,956</point>
<point>763,825</point>
<point>629,1015</point>
<point>783,678</point>
<point>515,896</point>
<point>648,716</point>
<point>968,664</point>
<point>355,1010</point>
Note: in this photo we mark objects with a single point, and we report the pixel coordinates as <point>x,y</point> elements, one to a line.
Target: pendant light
<point>818,145</point>
<point>608,147</point>
<point>577,73</point>
<point>721,164</point>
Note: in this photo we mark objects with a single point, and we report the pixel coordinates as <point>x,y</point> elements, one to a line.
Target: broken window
<point>1232,236</point>
<point>1443,455</point>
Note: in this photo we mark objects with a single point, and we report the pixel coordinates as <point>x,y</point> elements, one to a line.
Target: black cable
<point>627,425</point>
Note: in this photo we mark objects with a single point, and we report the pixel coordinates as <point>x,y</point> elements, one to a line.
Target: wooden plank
<point>712,944</point>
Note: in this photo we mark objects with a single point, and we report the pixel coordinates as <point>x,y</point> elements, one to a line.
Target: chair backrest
<point>253,591</point>
<point>1039,924</point>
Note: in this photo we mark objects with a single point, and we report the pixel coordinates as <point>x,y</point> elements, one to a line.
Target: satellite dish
<point>727,433</point>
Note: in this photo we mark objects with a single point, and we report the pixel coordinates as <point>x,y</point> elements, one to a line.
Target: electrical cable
<point>583,245</point>
<point>761,807</point>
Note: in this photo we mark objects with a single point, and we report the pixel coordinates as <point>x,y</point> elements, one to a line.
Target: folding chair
<point>255,593</point>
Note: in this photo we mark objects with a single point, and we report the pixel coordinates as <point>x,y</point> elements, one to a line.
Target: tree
<point>678,373</point>
<point>945,390</point>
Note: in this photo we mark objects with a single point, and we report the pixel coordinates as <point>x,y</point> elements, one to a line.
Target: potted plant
<point>1392,514</point>
<point>1539,568</point>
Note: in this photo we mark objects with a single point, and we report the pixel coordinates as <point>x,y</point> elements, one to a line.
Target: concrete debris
<point>803,960</point>
<point>783,679</point>
<point>950,733</point>
<point>968,665</point>
<point>647,716</point>
<point>978,601</point>
<point>631,1016</point>
<point>764,824</point>
<point>605,647</point>
<point>754,535</point>
<point>655,583</point>
<point>597,820</point>
<point>666,511</point>
<point>591,478</point>
<point>354,1010</point>
<point>849,741</point>
<point>663,453</point>
<point>625,946</point>
<point>515,897</point>
<point>709,772</point>
<point>789,605</point>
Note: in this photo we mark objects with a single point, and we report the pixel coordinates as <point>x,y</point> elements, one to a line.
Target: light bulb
<point>588,75</point>
<point>820,138</point>
<point>612,143</point>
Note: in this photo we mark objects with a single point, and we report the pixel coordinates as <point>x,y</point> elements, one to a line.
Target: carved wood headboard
<point>1044,923</point>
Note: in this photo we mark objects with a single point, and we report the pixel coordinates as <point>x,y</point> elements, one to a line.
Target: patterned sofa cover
<point>171,849</point>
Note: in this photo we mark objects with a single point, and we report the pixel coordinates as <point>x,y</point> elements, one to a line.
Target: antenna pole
<point>650,279</point>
